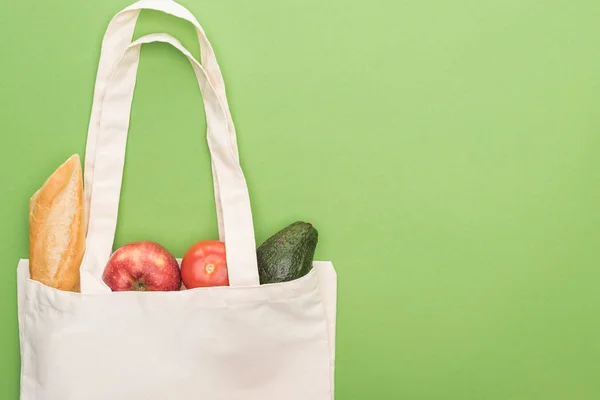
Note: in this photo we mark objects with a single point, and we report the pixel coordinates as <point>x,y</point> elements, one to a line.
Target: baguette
<point>57,228</point>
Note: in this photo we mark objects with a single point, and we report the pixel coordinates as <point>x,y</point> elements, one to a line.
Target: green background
<point>447,152</point>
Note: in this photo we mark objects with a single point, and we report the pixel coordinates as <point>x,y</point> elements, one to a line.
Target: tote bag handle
<point>118,36</point>
<point>109,147</point>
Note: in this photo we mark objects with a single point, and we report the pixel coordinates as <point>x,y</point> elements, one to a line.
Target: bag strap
<point>118,36</point>
<point>110,145</point>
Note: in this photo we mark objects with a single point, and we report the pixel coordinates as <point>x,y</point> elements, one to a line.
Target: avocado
<point>288,254</point>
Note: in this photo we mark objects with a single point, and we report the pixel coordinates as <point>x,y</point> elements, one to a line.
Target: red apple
<point>142,266</point>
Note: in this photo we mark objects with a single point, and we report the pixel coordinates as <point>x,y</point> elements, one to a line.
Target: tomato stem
<point>210,268</point>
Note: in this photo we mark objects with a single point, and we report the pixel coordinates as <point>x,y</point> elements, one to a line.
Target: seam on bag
<point>43,299</point>
<point>23,385</point>
<point>253,287</point>
<point>48,305</point>
<point>22,318</point>
<point>330,361</point>
<point>23,358</point>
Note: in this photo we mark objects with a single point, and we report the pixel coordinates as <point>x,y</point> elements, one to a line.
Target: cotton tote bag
<point>245,341</point>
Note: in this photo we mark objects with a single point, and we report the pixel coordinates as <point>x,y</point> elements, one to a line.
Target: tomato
<point>204,264</point>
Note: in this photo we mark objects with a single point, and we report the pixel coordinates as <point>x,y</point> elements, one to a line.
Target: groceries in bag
<point>57,242</point>
<point>205,264</point>
<point>142,266</point>
<point>288,254</point>
<point>147,266</point>
<point>57,228</point>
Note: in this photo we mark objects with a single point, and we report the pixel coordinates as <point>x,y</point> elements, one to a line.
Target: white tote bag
<point>246,341</point>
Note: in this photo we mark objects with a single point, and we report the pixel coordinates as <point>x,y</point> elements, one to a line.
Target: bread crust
<point>56,228</point>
